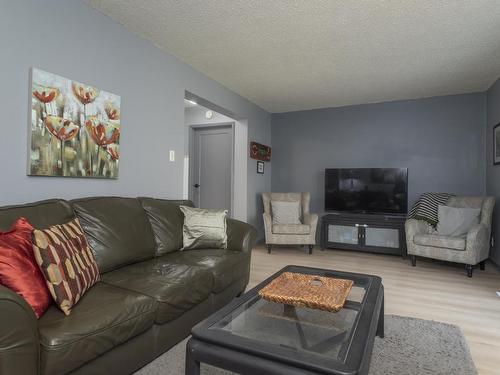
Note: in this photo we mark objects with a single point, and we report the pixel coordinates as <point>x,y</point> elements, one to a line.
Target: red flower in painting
<point>85,94</point>
<point>112,111</point>
<point>45,94</point>
<point>61,128</point>
<point>102,133</point>
<point>114,151</point>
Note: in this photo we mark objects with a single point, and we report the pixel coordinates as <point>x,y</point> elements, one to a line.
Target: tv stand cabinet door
<point>342,234</point>
<point>381,237</point>
<point>371,233</point>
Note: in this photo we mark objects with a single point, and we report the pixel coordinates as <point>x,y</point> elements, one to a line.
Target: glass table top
<point>299,329</point>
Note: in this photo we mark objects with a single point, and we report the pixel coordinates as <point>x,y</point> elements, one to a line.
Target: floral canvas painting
<point>74,129</point>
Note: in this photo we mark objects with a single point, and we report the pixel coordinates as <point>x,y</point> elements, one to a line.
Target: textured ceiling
<point>287,55</point>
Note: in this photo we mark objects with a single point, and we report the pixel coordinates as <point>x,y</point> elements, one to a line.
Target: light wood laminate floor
<point>431,290</point>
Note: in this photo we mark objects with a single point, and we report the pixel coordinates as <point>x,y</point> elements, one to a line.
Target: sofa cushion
<point>434,240</point>
<point>176,287</point>
<point>117,229</point>
<point>166,220</point>
<point>104,318</point>
<point>226,266</point>
<point>291,229</point>
<point>41,214</point>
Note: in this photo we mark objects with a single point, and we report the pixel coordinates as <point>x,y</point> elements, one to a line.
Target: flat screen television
<point>367,190</point>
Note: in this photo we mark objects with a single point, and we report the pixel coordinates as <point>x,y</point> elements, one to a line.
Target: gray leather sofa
<point>149,297</point>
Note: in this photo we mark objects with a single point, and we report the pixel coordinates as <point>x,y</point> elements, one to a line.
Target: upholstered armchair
<point>290,234</point>
<point>422,240</point>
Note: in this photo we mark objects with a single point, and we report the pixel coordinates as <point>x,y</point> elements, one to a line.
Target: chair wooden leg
<point>311,249</point>
<point>468,268</point>
<point>269,249</point>
<point>413,260</point>
<point>481,265</point>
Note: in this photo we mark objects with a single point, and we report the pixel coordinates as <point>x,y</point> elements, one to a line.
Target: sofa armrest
<point>240,236</point>
<point>477,243</point>
<point>19,344</point>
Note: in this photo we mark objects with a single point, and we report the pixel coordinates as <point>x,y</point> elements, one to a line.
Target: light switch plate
<point>498,294</point>
<point>172,155</point>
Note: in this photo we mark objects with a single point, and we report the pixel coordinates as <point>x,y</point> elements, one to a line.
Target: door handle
<point>196,185</point>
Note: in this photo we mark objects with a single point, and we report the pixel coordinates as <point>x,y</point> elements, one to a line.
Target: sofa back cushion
<point>41,214</point>
<point>166,220</point>
<point>117,230</point>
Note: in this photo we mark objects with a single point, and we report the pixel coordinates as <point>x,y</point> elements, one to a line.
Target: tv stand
<point>376,233</point>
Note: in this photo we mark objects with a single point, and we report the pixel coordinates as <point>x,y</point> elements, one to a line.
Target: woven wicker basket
<point>315,292</point>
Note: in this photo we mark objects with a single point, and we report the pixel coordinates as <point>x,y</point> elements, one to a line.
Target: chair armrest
<point>240,236</point>
<point>19,344</point>
<point>268,224</point>
<point>477,242</point>
<point>311,220</point>
<point>414,227</point>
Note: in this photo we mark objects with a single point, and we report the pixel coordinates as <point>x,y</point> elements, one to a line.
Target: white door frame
<point>191,175</point>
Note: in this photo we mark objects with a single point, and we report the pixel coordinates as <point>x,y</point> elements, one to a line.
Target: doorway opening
<point>215,162</point>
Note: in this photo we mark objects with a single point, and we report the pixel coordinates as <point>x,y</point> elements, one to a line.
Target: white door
<point>212,179</point>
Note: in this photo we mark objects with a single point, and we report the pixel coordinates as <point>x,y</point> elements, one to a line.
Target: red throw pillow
<point>66,261</point>
<point>18,268</point>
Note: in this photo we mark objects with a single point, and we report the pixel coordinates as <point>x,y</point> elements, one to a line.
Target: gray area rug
<point>410,347</point>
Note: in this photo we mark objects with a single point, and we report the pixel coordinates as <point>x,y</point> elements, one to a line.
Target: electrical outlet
<point>172,155</point>
<point>498,294</point>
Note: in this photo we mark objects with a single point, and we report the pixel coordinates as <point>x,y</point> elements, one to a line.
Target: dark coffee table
<point>254,336</point>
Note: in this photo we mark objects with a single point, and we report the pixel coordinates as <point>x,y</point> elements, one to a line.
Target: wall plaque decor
<point>74,129</point>
<point>260,152</point>
<point>260,167</point>
<point>496,144</point>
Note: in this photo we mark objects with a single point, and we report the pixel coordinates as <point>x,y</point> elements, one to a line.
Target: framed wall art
<point>260,152</point>
<point>260,167</point>
<point>74,128</point>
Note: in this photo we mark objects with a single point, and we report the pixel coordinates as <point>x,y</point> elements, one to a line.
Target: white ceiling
<point>287,55</point>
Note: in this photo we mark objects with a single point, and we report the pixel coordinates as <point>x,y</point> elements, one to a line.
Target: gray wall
<point>69,38</point>
<point>440,140</point>
<point>493,171</point>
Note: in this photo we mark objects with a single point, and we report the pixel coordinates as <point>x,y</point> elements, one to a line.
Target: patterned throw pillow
<point>66,261</point>
<point>426,207</point>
